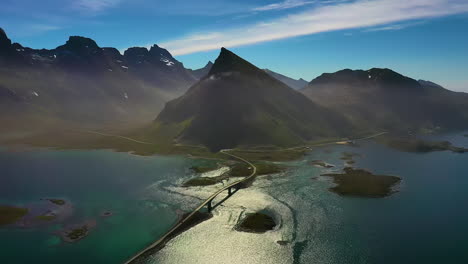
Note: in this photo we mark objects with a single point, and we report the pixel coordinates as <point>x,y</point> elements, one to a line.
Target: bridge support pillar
<point>229,191</point>
<point>209,206</point>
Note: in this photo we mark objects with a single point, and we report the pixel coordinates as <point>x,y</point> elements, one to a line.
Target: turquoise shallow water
<point>94,181</point>
<point>424,222</point>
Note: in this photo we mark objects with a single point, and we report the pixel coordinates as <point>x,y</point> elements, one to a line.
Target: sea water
<point>423,222</point>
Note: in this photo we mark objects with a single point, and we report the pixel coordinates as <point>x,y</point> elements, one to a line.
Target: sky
<point>423,39</point>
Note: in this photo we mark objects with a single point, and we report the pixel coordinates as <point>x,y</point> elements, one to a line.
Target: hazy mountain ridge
<point>240,104</point>
<point>293,83</point>
<point>202,72</point>
<point>83,82</point>
<point>384,99</point>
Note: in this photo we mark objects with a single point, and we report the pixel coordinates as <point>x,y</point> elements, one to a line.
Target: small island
<point>256,223</point>
<point>77,232</point>
<point>10,214</point>
<point>57,201</point>
<point>362,183</point>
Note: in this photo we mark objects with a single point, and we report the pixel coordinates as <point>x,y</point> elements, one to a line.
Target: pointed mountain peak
<point>4,40</point>
<point>3,35</point>
<point>228,61</point>
<point>157,51</point>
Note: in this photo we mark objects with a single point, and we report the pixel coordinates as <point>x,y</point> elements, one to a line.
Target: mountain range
<point>293,83</point>
<point>82,82</point>
<point>386,100</point>
<point>225,104</point>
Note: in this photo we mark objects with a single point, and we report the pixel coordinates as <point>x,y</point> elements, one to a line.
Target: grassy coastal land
<point>10,214</point>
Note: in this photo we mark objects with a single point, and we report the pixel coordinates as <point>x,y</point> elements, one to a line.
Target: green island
<point>416,145</point>
<point>10,214</point>
<point>77,233</point>
<point>362,183</point>
<point>256,223</point>
<point>321,164</point>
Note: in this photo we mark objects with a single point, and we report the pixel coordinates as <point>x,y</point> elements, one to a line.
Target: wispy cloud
<point>394,27</point>
<point>95,5</point>
<point>332,17</point>
<point>287,4</point>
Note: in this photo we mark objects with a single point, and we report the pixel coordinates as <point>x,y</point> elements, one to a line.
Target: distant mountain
<point>240,104</point>
<point>82,82</point>
<point>202,72</point>
<point>384,99</point>
<point>293,83</point>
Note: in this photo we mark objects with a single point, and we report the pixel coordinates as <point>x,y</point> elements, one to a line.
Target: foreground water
<point>423,223</point>
<point>93,181</point>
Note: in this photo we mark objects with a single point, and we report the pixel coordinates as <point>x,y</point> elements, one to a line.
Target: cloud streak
<point>358,14</point>
<point>393,27</point>
<point>283,5</point>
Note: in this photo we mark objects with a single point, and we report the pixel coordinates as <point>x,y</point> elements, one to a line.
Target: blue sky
<point>424,39</point>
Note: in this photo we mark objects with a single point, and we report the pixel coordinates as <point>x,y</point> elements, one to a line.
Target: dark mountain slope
<point>239,104</point>
<point>384,99</point>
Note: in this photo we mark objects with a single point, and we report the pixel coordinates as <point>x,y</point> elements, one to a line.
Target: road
<point>203,204</point>
<point>118,136</point>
